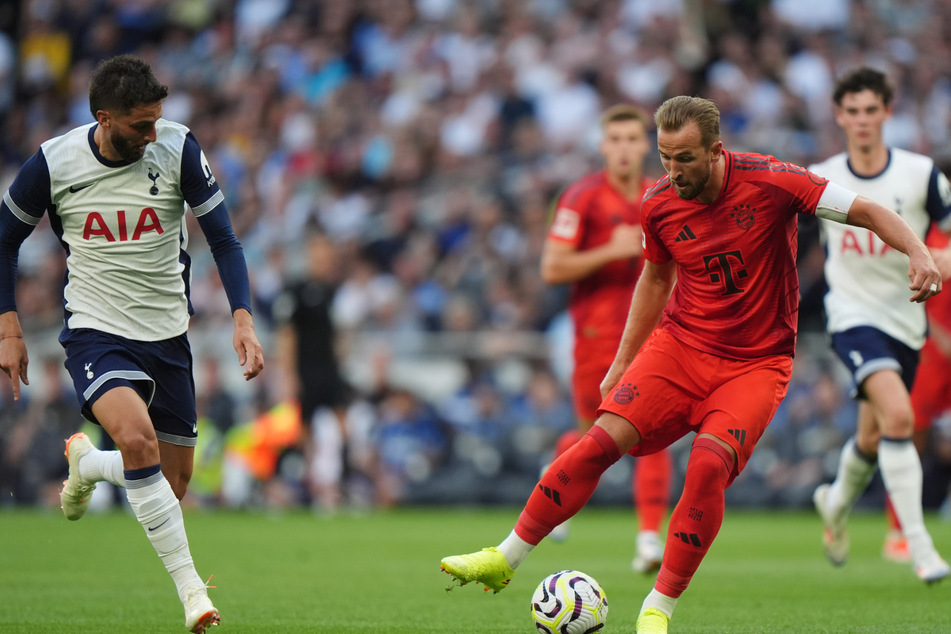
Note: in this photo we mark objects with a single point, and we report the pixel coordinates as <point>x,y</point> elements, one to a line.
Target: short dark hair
<point>860,79</point>
<point>123,82</point>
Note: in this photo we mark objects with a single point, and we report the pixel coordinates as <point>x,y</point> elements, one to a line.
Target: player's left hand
<point>246,344</point>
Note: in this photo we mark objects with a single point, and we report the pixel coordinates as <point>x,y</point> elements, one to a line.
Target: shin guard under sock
<point>696,519</point>
<point>567,484</point>
<point>651,487</point>
<point>158,511</point>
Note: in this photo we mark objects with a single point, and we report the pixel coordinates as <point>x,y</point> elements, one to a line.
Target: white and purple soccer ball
<point>569,602</point>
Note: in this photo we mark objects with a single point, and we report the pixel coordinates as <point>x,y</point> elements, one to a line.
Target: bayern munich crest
<point>744,216</point>
<point>625,394</point>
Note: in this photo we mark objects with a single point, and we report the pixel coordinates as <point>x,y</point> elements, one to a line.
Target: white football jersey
<point>868,280</point>
<point>124,232</point>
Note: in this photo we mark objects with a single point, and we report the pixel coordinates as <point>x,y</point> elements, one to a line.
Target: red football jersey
<point>585,215</point>
<point>737,291</point>
<point>939,306</point>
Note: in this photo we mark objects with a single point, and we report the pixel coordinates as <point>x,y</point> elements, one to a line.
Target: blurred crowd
<point>424,140</point>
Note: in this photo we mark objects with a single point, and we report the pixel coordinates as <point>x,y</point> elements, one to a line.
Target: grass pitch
<point>380,573</point>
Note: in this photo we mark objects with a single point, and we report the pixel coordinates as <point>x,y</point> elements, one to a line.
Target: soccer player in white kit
<point>116,192</point>
<point>875,331</point>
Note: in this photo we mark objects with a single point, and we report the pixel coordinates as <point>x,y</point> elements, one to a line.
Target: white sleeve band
<point>835,203</point>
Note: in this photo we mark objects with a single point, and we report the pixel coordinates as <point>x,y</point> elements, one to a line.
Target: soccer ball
<point>569,602</point>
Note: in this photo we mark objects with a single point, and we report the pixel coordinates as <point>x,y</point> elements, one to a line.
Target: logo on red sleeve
<point>566,223</point>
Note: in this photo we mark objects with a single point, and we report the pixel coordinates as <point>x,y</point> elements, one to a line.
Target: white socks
<point>515,549</point>
<point>852,478</point>
<point>901,473</point>
<point>158,511</point>
<point>660,602</point>
<point>97,466</point>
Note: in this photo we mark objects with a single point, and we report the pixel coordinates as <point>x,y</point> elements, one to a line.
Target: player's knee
<point>711,464</point>
<point>896,421</point>
<point>137,446</point>
<point>179,482</point>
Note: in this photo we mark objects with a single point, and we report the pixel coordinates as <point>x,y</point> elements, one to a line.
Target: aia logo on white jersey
<point>862,243</point>
<point>118,231</point>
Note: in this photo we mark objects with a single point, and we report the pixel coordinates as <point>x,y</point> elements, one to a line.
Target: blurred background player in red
<point>931,392</point>
<point>594,243</point>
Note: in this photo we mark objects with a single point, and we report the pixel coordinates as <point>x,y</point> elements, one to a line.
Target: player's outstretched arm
<point>246,344</point>
<point>13,357</point>
<point>894,231</point>
<point>650,297</point>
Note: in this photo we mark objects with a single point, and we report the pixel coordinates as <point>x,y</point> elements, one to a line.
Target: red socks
<point>696,520</point>
<point>567,485</point>
<point>651,487</point>
<point>566,441</point>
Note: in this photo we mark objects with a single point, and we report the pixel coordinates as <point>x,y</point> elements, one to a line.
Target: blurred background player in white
<point>875,331</point>
<point>117,191</point>
<point>594,244</point>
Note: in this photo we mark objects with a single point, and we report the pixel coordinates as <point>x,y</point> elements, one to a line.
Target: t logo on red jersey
<point>722,271</point>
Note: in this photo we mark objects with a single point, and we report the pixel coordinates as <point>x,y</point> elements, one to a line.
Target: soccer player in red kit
<point>723,226</point>
<point>931,393</point>
<point>594,243</point>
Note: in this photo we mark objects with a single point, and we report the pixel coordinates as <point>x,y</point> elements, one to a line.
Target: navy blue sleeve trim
<point>12,234</point>
<point>229,257</point>
<point>938,202</point>
<point>30,190</point>
<point>29,195</point>
<point>197,182</point>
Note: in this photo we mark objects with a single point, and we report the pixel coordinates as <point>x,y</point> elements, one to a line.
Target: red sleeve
<point>794,187</point>
<point>654,249</point>
<point>569,216</point>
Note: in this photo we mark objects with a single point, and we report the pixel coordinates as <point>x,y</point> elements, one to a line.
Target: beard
<point>691,190</point>
<point>128,151</point>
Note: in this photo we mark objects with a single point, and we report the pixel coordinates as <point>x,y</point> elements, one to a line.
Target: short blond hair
<point>677,112</point>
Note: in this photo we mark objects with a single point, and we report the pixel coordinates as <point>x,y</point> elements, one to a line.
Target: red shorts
<point>931,392</point>
<point>672,389</point>
<point>593,357</point>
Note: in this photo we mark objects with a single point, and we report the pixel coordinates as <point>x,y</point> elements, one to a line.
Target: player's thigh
<point>865,351</point>
<point>122,413</point>
<point>738,410</point>
<point>658,392</point>
<point>173,410</point>
<point>586,388</point>
<point>888,396</point>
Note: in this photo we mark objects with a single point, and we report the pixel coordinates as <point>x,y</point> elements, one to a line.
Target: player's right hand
<point>14,361</point>
<point>611,379</point>
<point>626,240</point>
